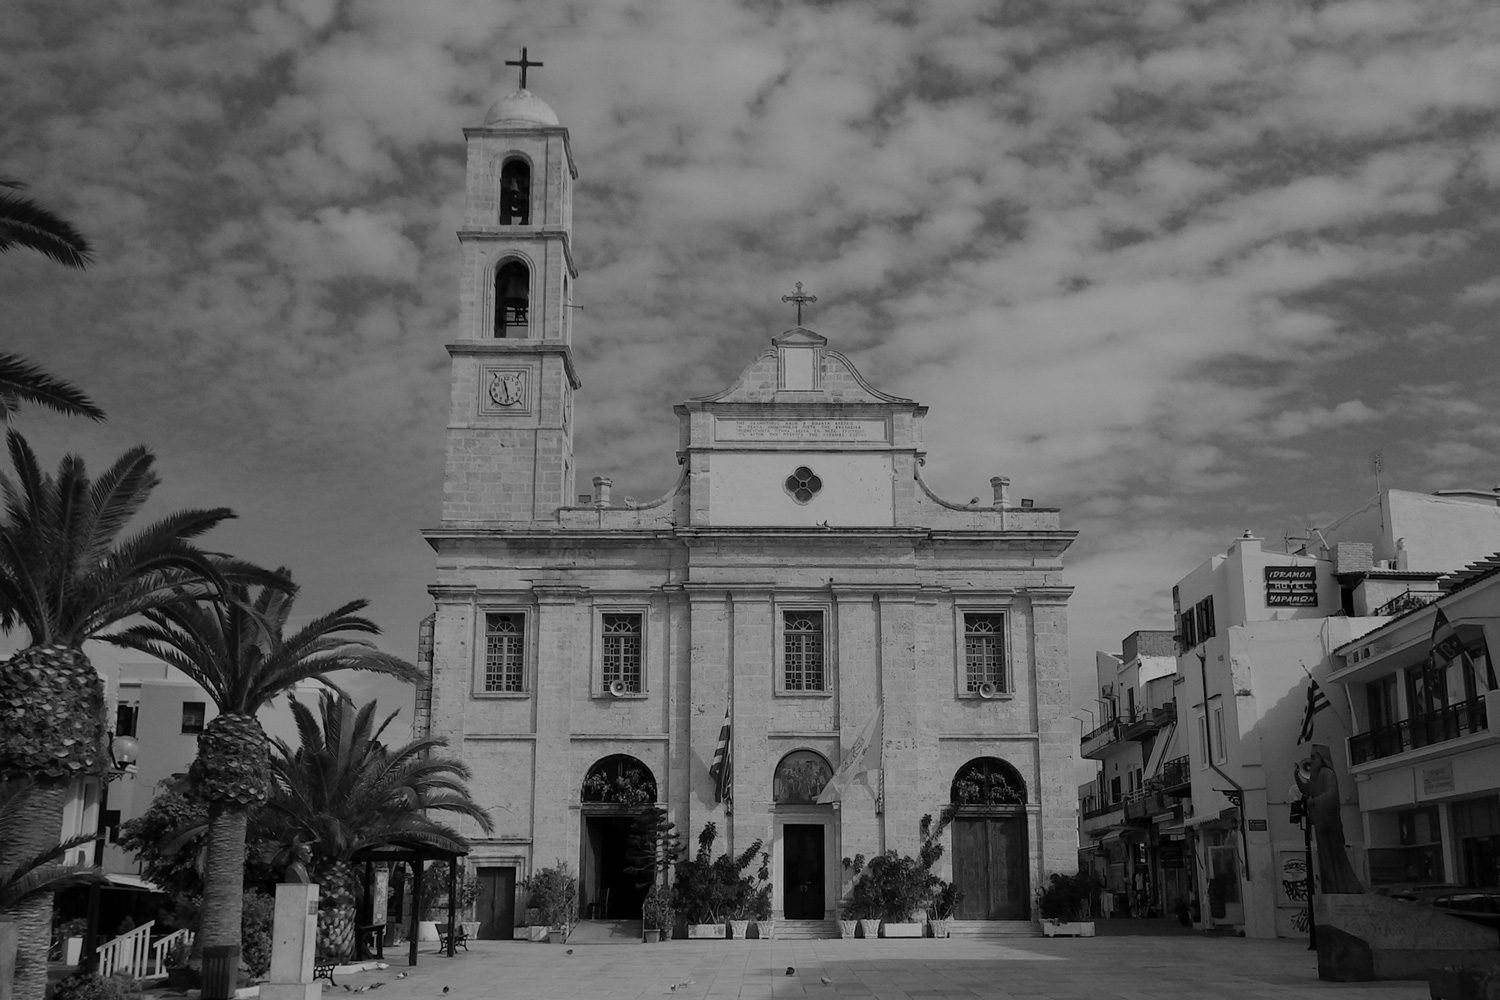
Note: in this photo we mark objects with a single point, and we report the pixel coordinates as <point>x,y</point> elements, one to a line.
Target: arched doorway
<point>614,793</point>
<point>990,842</point>
<point>803,833</point>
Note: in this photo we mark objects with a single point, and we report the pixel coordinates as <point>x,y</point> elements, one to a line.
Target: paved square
<point>1108,968</point>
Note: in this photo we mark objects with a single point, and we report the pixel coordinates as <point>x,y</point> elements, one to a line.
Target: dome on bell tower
<point>520,109</point>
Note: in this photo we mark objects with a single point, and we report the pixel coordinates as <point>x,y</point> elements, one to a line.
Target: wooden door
<point>989,865</point>
<point>496,905</point>
<point>802,869</point>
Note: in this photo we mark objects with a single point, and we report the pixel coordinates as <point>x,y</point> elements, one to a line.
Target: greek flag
<point>1316,702</point>
<point>722,768</point>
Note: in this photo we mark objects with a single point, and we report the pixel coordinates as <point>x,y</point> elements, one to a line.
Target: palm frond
<point>29,225</point>
<point>23,381</point>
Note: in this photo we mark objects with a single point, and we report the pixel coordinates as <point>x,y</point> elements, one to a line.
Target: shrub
<point>554,891</point>
<point>707,891</point>
<point>1063,896</point>
<point>894,886</point>
<point>92,986</point>
<point>255,932</point>
<point>77,927</point>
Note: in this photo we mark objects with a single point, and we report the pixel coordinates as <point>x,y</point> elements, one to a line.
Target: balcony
<point>1463,719</point>
<point>1099,740</point>
<point>1148,722</point>
<point>1177,776</point>
<point>1408,601</point>
<point>1097,819</point>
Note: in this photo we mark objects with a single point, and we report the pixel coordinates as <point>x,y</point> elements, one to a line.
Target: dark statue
<point>293,860</point>
<point>1320,786</point>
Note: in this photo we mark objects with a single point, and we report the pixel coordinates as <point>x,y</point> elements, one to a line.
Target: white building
<point>1426,753</point>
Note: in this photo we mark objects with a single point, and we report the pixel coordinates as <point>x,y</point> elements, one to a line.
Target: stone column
<point>900,759</point>
<point>859,695</point>
<point>294,942</point>
<point>754,660</point>
<point>563,636</point>
<point>708,693</point>
<point>1055,792</point>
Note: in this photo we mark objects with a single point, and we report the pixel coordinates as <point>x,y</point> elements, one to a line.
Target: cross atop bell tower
<point>510,437</point>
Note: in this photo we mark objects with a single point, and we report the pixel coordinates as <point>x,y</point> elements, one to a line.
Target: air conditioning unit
<point>617,689</point>
<point>988,690</point>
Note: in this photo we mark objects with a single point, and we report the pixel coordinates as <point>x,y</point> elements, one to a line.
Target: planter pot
<point>1061,928</point>
<point>869,928</point>
<point>765,929</point>
<point>471,929</point>
<point>557,935</point>
<point>653,935</point>
<point>536,933</point>
<point>427,930</point>
<point>940,928</point>
<point>739,929</point>
<point>184,978</point>
<point>900,929</point>
<point>847,928</point>
<point>705,931</point>
<point>72,950</point>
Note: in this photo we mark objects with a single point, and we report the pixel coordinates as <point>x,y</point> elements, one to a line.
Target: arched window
<point>515,193</point>
<point>988,781</point>
<point>619,779</point>
<point>800,778</point>
<point>512,298</point>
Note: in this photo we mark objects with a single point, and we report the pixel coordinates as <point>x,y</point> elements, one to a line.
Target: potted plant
<point>71,933</point>
<point>940,908</point>
<point>707,888</point>
<point>861,907</point>
<point>895,886</point>
<point>554,891</point>
<point>1061,900</point>
<point>180,974</point>
<point>536,928</point>
<point>765,924</point>
<point>656,915</point>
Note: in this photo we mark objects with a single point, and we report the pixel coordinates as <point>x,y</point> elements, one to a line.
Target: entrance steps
<point>806,930</point>
<point>987,929</point>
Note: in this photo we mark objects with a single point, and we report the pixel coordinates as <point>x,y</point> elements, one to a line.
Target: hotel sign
<point>1291,586</point>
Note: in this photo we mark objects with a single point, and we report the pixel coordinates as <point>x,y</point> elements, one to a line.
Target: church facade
<point>587,653</point>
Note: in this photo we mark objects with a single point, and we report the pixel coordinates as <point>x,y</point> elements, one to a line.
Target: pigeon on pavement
<point>361,989</point>
<point>568,952</point>
<point>445,989</point>
<point>402,975</point>
<point>791,971</point>
<point>376,986</point>
<point>826,980</point>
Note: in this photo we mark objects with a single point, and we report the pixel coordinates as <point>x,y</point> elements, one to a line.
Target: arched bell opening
<point>616,791</point>
<point>512,299</point>
<point>515,193</point>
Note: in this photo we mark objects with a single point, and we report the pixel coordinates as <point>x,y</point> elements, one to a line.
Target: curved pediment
<point>800,368</point>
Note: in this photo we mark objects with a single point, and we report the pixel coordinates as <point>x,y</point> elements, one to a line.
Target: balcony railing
<point>1407,601</point>
<point>1100,810</point>
<point>1177,772</point>
<point>1425,730</point>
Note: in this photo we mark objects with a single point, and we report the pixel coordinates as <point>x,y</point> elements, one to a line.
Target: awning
<point>1159,750</point>
<point>134,882</point>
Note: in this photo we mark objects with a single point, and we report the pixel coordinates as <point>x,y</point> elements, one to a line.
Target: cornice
<point>518,346</point>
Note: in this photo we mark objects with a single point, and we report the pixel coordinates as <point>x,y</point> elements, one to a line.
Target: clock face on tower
<point>507,389</point>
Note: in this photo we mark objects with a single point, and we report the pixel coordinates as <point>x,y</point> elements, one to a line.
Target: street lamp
<point>124,751</point>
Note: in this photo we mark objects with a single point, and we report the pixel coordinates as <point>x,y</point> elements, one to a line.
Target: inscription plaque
<point>799,430</point>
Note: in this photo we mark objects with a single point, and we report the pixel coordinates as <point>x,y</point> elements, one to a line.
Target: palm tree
<point>67,575</point>
<point>344,790</point>
<point>238,651</point>
<point>27,884</point>
<point>27,224</point>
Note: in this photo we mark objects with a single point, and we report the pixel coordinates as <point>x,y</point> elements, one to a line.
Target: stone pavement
<point>1122,968</point>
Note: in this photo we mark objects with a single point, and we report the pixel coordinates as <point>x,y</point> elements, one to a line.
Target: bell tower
<point>510,433</point>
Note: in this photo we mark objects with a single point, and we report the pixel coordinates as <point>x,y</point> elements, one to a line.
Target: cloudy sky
<point>1176,267</point>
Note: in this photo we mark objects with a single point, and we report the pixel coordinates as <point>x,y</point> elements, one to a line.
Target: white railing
<point>161,949</point>
<point>127,953</point>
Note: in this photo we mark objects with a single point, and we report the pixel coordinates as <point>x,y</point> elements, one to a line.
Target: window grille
<point>504,653</point>
<point>984,650</point>
<point>622,650</point>
<point>802,643</point>
<point>803,484</point>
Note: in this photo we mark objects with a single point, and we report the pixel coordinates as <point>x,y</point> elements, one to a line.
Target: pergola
<point>417,855</point>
